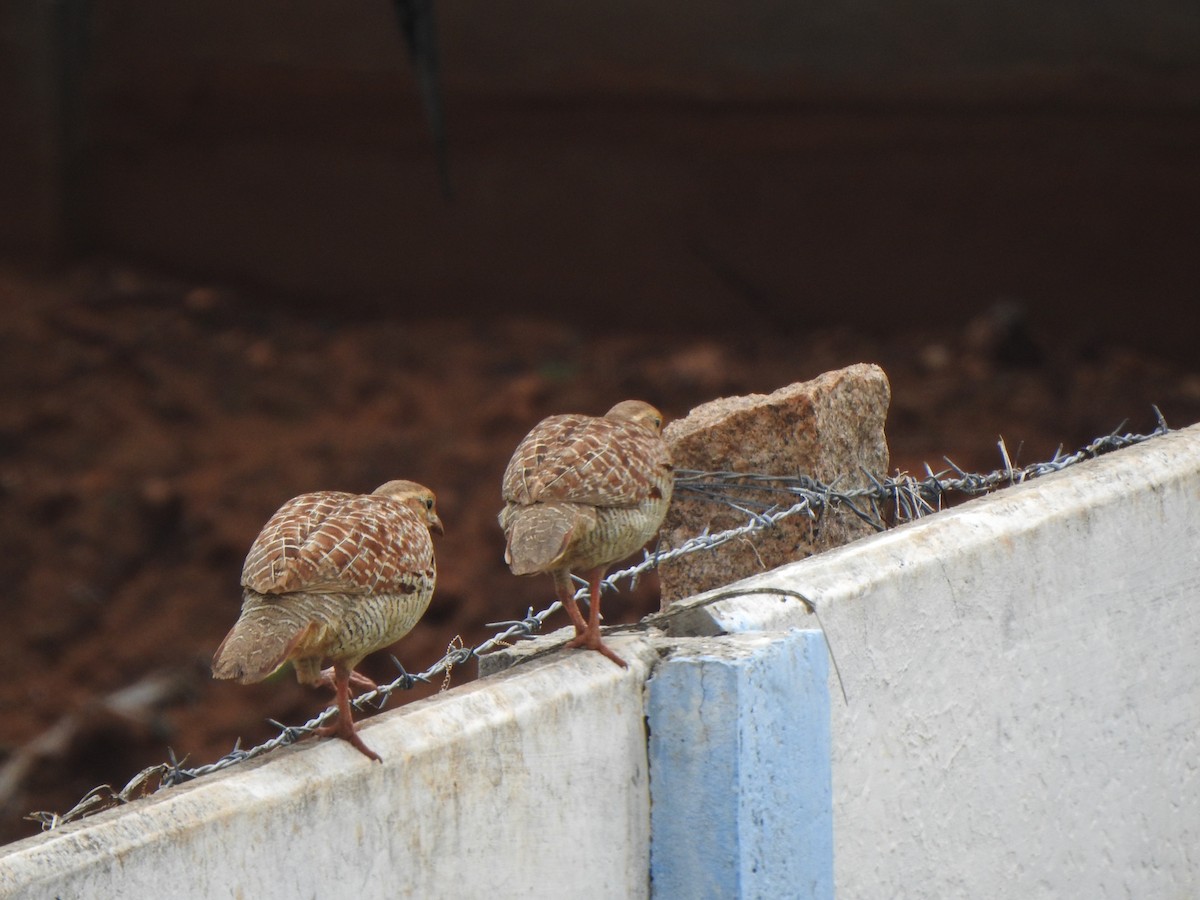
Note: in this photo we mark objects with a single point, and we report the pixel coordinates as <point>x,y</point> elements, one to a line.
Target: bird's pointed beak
<point>435,524</point>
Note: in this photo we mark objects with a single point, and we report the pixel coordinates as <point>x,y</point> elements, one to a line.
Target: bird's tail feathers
<point>261,641</point>
<point>538,537</point>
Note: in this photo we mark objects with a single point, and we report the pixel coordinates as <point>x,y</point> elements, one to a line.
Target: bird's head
<point>416,497</point>
<point>638,412</point>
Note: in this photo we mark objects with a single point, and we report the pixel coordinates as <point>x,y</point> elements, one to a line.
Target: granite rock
<point>829,428</point>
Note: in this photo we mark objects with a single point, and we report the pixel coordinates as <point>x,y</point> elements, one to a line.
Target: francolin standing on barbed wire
<point>333,576</point>
<point>582,493</point>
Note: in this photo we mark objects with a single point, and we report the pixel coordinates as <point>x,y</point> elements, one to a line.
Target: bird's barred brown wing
<point>581,459</point>
<point>335,542</point>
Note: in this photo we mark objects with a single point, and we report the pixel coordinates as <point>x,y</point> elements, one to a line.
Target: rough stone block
<point>829,428</point>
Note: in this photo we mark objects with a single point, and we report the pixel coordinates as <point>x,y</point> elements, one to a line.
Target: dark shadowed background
<point>232,276</point>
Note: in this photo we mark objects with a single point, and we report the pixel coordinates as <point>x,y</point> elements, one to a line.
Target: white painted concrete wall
<point>1024,682</point>
<point>531,781</point>
<point>1024,721</point>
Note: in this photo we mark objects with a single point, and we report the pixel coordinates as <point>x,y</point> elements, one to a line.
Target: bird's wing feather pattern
<point>581,459</point>
<point>334,542</point>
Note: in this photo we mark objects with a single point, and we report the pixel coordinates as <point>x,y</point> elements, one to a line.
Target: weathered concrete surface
<point>741,803</point>
<point>523,651</point>
<point>505,788</point>
<point>1024,713</point>
<point>829,428</point>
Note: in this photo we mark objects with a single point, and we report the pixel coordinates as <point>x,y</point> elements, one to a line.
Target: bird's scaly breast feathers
<point>581,459</point>
<point>331,541</point>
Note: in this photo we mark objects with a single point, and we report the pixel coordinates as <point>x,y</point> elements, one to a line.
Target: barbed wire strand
<point>759,496</point>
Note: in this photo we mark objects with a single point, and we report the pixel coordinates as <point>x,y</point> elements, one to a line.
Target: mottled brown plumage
<point>333,576</point>
<point>582,492</point>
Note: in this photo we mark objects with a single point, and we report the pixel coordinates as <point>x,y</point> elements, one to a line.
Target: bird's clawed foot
<point>344,729</point>
<point>590,640</point>
<point>341,677</point>
<point>587,633</point>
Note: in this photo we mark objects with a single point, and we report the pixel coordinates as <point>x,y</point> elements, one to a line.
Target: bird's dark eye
<point>429,503</point>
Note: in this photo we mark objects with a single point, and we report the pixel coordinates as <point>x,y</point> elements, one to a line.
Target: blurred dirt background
<point>150,426</point>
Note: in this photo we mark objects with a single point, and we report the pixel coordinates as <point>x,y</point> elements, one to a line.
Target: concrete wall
<point>1023,720</point>
<point>740,792</point>
<point>497,789</point>
<point>1024,715</point>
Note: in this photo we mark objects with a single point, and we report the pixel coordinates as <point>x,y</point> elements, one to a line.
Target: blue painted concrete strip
<point>740,776</point>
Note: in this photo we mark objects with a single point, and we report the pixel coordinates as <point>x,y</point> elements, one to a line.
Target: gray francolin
<point>581,493</point>
<point>333,576</point>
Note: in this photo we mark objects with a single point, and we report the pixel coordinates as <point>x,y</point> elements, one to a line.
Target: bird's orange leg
<point>590,638</point>
<point>565,588</point>
<point>361,682</point>
<point>345,723</point>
